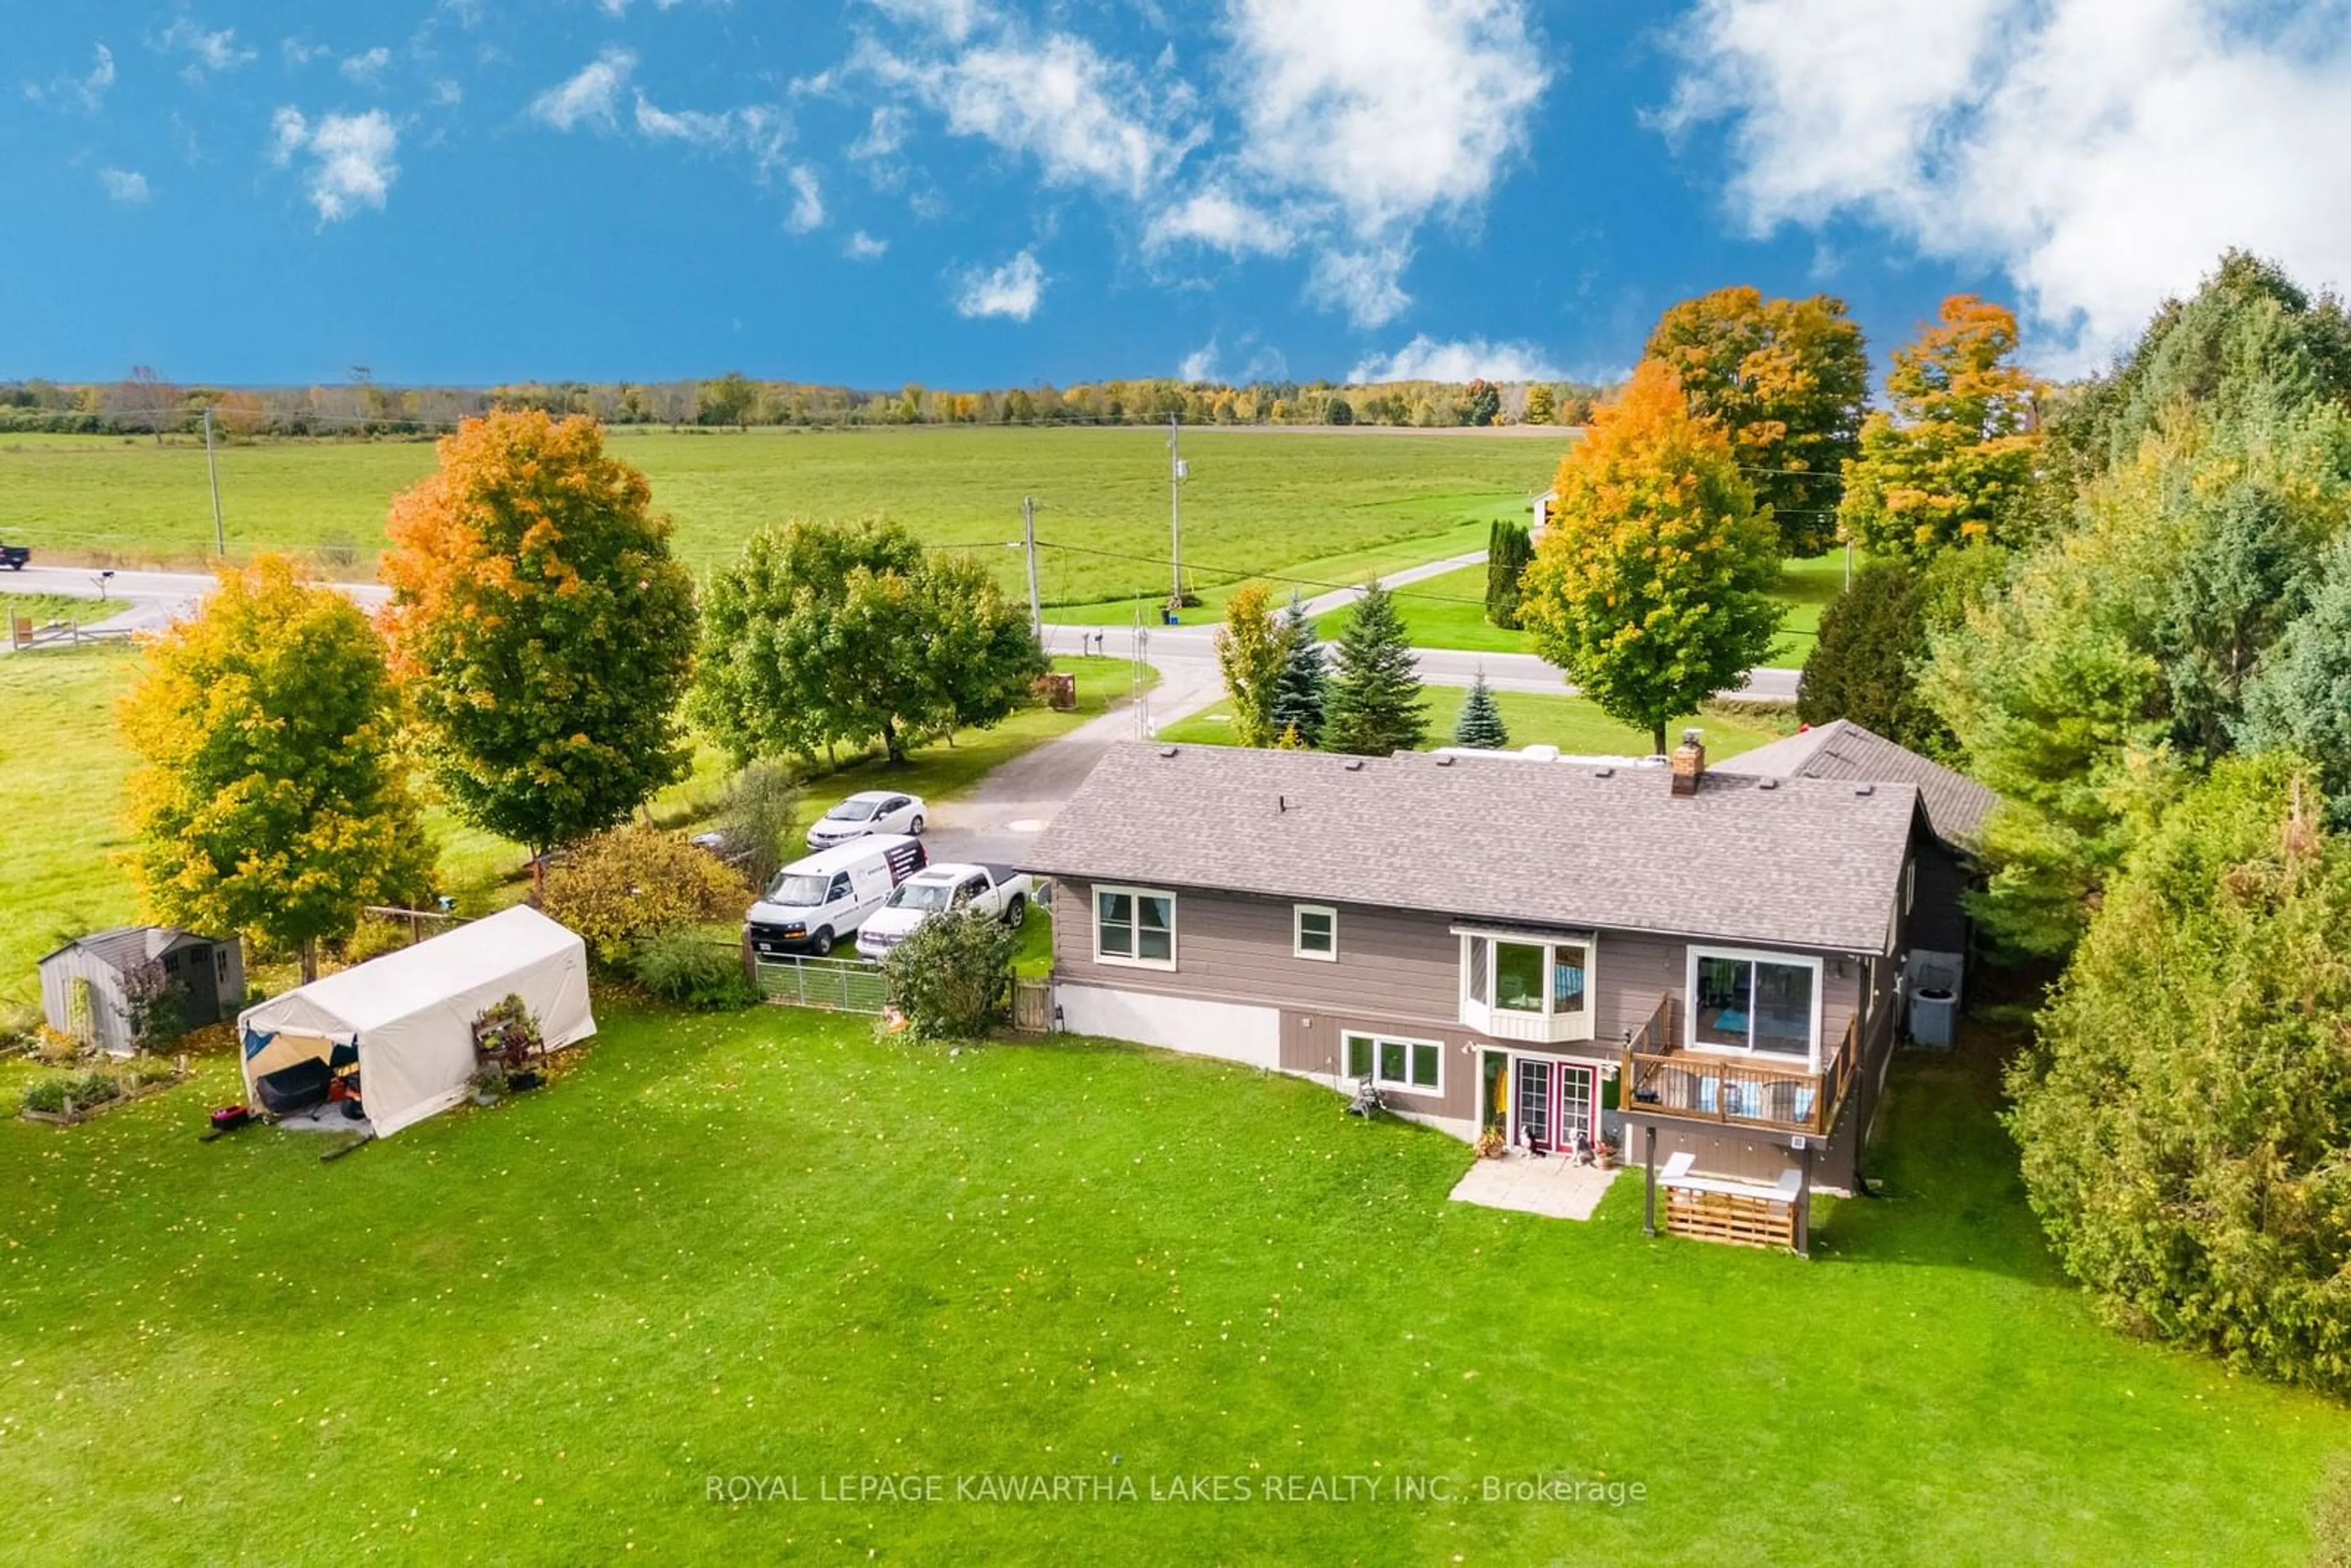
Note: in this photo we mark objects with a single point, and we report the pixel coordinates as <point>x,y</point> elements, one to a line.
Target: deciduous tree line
<point>532,672</point>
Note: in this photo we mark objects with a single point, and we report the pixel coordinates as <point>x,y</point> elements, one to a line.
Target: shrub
<point>755,819</point>
<point>372,939</point>
<point>1508,549</point>
<point>691,970</point>
<point>83,1091</point>
<point>620,887</point>
<point>154,1012</point>
<point>2179,1118</point>
<point>952,980</point>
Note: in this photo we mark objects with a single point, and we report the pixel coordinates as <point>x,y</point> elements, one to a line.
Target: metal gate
<point>838,984</point>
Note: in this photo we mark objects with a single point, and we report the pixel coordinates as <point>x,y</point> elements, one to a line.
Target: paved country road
<point>1011,805</point>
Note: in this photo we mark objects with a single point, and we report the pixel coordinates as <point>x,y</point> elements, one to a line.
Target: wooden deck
<point>1662,1079</point>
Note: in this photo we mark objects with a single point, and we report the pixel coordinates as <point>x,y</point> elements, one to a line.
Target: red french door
<point>1553,1100</point>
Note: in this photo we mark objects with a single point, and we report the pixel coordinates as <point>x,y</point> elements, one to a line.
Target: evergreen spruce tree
<point>1300,695</point>
<point>1481,724</point>
<point>1373,705</point>
<point>1508,551</point>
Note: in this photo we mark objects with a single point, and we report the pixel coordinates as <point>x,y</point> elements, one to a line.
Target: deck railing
<point>1662,1079</point>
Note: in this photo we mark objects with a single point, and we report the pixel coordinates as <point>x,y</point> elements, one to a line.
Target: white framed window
<point>1753,1003</point>
<point>1314,931</point>
<point>1414,1066</point>
<point>1135,926</point>
<point>1538,976</point>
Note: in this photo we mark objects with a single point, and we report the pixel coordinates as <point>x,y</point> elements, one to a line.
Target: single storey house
<point>1695,963</point>
<point>88,985</point>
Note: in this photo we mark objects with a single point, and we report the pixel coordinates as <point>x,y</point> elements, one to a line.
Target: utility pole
<point>1029,533</point>
<point>1176,472</point>
<point>212,466</point>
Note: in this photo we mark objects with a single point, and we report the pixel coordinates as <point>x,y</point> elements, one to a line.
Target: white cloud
<point>1200,364</point>
<point>684,125</point>
<point>2101,154</point>
<point>589,95</point>
<point>1359,125</point>
<point>1086,119</point>
<point>87,93</point>
<point>1214,217</point>
<point>1366,284</point>
<point>1012,290</point>
<point>884,133</point>
<point>808,200</point>
<point>205,51</point>
<point>447,93</point>
<point>298,53</point>
<point>351,158</point>
<point>863,246</point>
<point>127,186</point>
<point>366,66</point>
<point>953,20</point>
<point>1468,359</point>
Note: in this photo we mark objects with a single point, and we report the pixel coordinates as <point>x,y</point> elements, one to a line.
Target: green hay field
<point>1256,500</point>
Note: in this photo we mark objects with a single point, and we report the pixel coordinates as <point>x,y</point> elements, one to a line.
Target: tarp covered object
<point>411,1014</point>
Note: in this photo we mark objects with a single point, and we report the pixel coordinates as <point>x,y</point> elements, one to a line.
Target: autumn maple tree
<point>1787,380</point>
<point>1253,653</point>
<point>542,629</point>
<point>1951,460</point>
<point>270,797</point>
<point>1652,586</point>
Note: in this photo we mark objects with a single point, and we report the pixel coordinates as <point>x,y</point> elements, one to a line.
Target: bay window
<point>1526,985</point>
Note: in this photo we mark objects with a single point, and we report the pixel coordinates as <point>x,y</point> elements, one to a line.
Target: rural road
<point>1011,805</point>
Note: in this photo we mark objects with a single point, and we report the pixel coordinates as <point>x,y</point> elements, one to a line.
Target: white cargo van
<point>816,901</point>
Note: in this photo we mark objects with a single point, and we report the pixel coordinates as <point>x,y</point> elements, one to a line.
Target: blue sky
<point>973,192</point>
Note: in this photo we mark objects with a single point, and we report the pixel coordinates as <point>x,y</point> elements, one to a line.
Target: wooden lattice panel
<point>1730,1218</point>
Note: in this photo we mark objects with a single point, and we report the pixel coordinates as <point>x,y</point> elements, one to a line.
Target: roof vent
<point>1166,751</point>
<point>1445,762</point>
<point>1355,765</point>
<point>1865,789</point>
<point>1603,773</point>
<point>1767,783</point>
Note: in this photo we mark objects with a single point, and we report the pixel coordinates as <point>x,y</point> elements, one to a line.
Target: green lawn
<point>1254,502</point>
<point>1449,611</point>
<point>62,767</point>
<point>45,608</point>
<point>61,772</point>
<point>1572,723</point>
<point>767,1245</point>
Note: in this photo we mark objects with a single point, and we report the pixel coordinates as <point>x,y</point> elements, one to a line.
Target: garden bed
<point>76,1109</point>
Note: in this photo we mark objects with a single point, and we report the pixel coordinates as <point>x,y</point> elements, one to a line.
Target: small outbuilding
<point>89,986</point>
<point>407,1020</point>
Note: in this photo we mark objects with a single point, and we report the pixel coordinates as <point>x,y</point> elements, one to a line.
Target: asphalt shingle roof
<point>1803,862</point>
<point>1956,804</point>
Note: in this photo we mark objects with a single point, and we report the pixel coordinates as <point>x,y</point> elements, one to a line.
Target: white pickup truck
<point>947,885</point>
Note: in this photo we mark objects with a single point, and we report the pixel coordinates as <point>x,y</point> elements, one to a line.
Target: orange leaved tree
<point>1953,460</point>
<point>542,629</point>
<point>1652,585</point>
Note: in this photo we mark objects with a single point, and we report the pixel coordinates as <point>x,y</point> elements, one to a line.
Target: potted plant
<point>489,1081</point>
<point>1491,1145</point>
<point>1603,1153</point>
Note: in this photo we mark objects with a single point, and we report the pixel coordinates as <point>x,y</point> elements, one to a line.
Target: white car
<point>868,811</point>
<point>995,890</point>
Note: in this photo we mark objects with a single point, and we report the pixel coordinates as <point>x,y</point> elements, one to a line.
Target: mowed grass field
<point>1574,725</point>
<point>1256,501</point>
<point>768,1245</point>
<point>63,767</point>
<point>1449,611</point>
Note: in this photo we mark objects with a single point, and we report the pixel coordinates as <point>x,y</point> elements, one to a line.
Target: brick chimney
<point>1689,762</point>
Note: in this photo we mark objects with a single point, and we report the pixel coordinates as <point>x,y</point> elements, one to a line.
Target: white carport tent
<point>412,1013</point>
